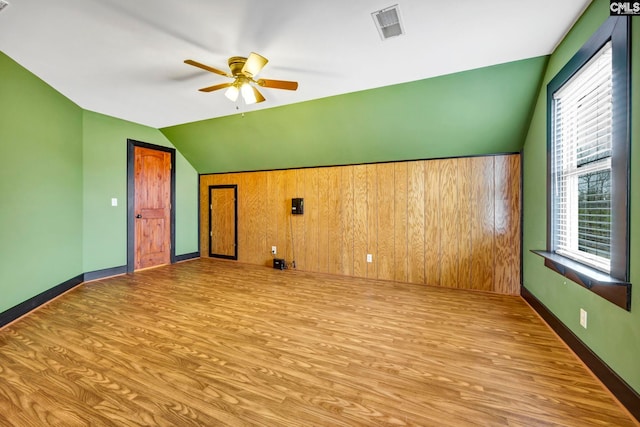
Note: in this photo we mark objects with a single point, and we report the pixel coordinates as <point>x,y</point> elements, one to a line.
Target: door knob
<point>138,216</point>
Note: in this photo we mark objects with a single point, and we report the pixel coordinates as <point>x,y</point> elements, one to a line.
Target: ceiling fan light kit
<point>232,93</point>
<point>242,71</point>
<point>247,94</point>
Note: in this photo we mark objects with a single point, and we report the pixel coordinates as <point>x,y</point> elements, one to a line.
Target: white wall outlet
<point>274,250</point>
<point>369,258</point>
<point>114,201</point>
<point>583,318</point>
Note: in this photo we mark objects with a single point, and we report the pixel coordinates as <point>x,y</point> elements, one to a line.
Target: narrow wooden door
<point>152,172</point>
<point>223,228</point>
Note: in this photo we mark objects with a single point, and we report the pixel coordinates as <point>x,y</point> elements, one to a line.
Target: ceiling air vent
<point>388,22</point>
<point>3,4</point>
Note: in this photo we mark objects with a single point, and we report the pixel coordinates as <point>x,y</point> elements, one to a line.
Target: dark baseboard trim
<point>107,272</point>
<point>620,389</point>
<point>186,257</point>
<point>25,307</point>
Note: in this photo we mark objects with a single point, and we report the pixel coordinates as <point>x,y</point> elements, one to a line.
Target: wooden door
<point>152,174</point>
<point>223,228</point>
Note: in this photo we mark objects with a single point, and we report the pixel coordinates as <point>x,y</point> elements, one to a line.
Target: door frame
<point>235,221</point>
<point>131,192</point>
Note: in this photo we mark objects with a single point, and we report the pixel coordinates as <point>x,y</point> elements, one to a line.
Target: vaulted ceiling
<point>125,58</point>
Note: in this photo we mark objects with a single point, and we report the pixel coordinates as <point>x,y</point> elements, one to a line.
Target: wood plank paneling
<point>244,211</point>
<point>298,221</point>
<point>251,221</point>
<point>449,222</point>
<point>335,208</point>
<point>400,237</point>
<point>482,223</point>
<point>311,212</point>
<point>291,189</point>
<point>386,260</point>
<point>360,224</point>
<point>372,220</point>
<point>281,214</point>
<point>271,223</point>
<point>507,228</point>
<point>261,247</point>
<point>465,208</point>
<point>432,222</point>
<point>323,219</point>
<point>415,224</point>
<point>346,192</point>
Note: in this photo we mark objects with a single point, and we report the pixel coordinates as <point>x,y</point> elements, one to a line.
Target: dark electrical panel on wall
<point>297,206</point>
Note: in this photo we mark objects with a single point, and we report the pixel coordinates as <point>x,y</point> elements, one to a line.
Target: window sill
<point>613,290</point>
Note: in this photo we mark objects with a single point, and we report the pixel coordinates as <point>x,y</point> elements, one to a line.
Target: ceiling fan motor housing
<point>236,63</point>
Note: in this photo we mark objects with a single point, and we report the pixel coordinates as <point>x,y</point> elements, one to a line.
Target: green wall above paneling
<point>40,186</point>
<point>482,111</point>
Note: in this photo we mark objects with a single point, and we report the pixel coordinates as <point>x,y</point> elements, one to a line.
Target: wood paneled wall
<point>450,222</point>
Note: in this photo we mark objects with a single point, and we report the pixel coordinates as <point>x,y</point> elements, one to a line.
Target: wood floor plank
<point>213,342</point>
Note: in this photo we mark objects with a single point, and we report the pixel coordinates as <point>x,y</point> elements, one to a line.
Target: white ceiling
<point>124,58</point>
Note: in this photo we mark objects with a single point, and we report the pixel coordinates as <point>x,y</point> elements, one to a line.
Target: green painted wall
<point>40,186</point>
<point>612,333</point>
<point>61,167</point>
<point>105,177</point>
<point>482,111</point>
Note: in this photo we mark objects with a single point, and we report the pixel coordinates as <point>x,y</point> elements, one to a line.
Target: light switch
<point>114,202</point>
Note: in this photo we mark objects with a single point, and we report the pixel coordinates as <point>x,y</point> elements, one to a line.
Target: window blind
<point>581,162</point>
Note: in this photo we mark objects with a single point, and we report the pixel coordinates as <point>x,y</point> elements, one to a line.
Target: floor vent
<point>388,22</point>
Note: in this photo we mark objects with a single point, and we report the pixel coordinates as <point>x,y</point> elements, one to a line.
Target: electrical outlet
<point>583,318</point>
<point>274,250</point>
<point>369,258</point>
<point>114,201</point>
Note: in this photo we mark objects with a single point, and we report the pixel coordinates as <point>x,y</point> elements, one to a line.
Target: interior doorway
<point>150,205</point>
<point>223,221</point>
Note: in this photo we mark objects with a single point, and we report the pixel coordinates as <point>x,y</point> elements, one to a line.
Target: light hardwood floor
<point>210,342</point>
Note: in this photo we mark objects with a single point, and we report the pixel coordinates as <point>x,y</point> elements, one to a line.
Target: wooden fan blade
<point>258,95</point>
<point>278,84</point>
<point>206,67</point>
<point>216,87</point>
<point>254,64</point>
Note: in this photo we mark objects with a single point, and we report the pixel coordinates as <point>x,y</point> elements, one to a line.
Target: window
<point>588,164</point>
<point>581,163</point>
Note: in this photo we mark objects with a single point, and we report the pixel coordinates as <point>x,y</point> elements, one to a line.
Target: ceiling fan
<point>243,71</point>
